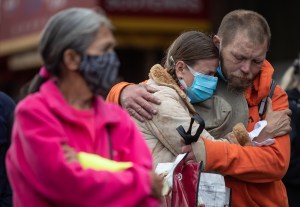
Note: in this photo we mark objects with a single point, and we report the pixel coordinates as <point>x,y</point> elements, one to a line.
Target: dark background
<point>136,60</point>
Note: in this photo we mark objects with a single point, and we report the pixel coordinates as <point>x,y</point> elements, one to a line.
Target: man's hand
<point>279,123</point>
<point>136,100</point>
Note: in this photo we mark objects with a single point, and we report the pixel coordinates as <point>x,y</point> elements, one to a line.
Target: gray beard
<point>230,86</point>
<point>236,89</point>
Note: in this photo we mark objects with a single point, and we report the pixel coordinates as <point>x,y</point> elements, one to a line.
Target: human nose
<point>245,67</point>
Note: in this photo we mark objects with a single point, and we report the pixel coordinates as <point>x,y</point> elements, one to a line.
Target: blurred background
<point>144,30</point>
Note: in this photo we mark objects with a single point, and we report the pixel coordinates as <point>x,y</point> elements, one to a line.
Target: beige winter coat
<point>174,110</point>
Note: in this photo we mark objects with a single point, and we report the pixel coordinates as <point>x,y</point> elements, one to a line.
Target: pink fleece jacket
<point>40,175</point>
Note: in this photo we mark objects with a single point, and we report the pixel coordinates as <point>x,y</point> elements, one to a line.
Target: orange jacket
<point>254,180</point>
<point>114,93</point>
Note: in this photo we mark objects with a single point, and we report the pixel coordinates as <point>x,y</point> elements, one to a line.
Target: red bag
<point>186,176</point>
<point>184,193</point>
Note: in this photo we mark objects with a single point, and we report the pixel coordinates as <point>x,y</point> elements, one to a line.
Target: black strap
<point>262,105</point>
<point>187,136</point>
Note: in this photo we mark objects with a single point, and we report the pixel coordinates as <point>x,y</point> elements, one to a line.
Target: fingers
<point>136,110</point>
<point>288,112</point>
<point>282,128</point>
<point>149,97</point>
<point>134,114</point>
<point>70,153</point>
<point>278,121</point>
<point>157,184</point>
<point>269,105</point>
<point>186,148</point>
<point>147,94</point>
<point>66,148</point>
<point>190,158</point>
<point>284,132</point>
<point>137,99</point>
<point>149,88</point>
<point>144,105</point>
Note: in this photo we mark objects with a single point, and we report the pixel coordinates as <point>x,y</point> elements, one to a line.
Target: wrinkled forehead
<point>250,34</point>
<point>247,44</point>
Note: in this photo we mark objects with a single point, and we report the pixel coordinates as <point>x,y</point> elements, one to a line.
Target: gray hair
<point>73,28</point>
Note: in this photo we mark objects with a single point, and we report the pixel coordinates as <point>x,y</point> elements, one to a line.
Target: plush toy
<point>241,135</point>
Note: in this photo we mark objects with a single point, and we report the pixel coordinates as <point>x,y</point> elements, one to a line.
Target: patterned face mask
<point>100,71</point>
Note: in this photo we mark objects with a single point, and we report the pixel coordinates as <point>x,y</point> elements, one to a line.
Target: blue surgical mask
<point>220,73</point>
<point>203,86</point>
<point>100,71</point>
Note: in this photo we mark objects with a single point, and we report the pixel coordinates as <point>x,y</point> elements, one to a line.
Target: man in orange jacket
<point>252,173</point>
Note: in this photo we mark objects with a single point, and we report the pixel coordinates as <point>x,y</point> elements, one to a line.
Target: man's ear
<point>217,41</point>
<point>71,59</point>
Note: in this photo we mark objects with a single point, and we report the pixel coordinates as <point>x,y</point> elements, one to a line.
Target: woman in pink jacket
<point>77,50</point>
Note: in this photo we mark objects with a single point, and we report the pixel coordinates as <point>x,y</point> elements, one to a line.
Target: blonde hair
<point>291,78</point>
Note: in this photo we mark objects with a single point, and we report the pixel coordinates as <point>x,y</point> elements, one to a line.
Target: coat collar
<point>162,77</point>
<point>59,105</point>
<point>261,85</point>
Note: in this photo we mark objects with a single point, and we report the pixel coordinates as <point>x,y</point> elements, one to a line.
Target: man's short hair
<point>253,23</point>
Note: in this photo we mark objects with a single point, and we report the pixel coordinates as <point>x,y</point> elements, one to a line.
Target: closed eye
<point>239,58</point>
<point>258,62</point>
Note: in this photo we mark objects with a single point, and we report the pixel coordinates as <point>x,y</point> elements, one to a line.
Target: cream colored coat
<point>160,132</point>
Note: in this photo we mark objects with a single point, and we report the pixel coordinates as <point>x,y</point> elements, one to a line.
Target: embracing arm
<point>251,164</point>
<point>115,92</point>
<point>136,99</point>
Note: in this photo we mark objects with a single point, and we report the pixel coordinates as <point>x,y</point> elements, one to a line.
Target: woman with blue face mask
<point>188,76</point>
<point>64,109</point>
<point>201,86</point>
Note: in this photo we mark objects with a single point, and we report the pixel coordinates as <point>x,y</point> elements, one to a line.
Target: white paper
<point>212,189</point>
<point>168,168</point>
<point>163,168</point>
<point>258,127</point>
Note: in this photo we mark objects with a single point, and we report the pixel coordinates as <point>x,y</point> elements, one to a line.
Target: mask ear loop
<point>172,60</point>
<point>194,73</point>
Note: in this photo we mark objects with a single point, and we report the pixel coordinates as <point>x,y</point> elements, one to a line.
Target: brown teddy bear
<point>239,135</point>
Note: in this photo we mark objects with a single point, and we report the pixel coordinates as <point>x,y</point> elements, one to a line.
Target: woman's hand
<point>191,156</point>
<point>157,183</point>
<point>70,153</point>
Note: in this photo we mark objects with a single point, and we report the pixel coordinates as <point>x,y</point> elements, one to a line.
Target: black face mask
<point>100,71</point>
